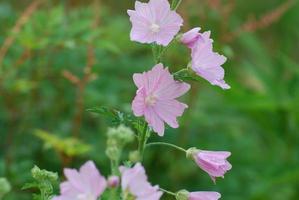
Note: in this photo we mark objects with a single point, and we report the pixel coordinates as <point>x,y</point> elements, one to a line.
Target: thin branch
<point>87,77</point>
<point>71,77</point>
<point>24,18</point>
<point>266,20</point>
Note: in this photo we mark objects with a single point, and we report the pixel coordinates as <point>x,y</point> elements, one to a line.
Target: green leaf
<point>117,117</point>
<point>186,74</point>
<point>157,52</point>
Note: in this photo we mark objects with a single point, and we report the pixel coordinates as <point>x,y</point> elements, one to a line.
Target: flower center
<point>155,28</point>
<point>150,100</point>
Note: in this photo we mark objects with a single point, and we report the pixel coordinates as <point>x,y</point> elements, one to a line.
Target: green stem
<point>114,167</point>
<point>167,192</point>
<point>166,144</point>
<point>157,52</point>
<point>114,171</point>
<point>175,4</point>
<point>180,71</point>
<point>143,136</point>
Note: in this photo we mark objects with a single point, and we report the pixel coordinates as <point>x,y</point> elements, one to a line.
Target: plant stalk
<point>143,136</point>
<point>167,144</point>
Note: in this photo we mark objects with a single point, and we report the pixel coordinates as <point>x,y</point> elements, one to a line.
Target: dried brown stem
<point>253,24</point>
<point>71,77</point>
<point>24,18</point>
<point>23,58</point>
<point>80,84</point>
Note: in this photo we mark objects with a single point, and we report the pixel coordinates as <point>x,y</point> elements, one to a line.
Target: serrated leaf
<point>117,117</point>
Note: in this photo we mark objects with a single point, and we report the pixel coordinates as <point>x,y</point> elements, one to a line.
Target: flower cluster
<point>157,90</point>
<point>156,97</point>
<point>155,104</point>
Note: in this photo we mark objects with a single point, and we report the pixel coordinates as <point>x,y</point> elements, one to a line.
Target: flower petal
<point>204,196</point>
<point>169,110</point>
<point>154,121</point>
<point>96,182</point>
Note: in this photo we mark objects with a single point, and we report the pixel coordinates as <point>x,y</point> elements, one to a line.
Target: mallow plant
<point>154,106</point>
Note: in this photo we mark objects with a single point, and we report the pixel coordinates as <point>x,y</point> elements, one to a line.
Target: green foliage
<point>68,146</point>
<point>117,117</point>
<point>43,181</point>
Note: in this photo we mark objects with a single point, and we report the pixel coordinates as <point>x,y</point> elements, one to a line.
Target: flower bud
<point>117,138</point>
<point>134,156</point>
<point>191,37</point>
<point>39,174</point>
<point>113,181</point>
<point>113,152</point>
<point>212,162</point>
<point>120,135</point>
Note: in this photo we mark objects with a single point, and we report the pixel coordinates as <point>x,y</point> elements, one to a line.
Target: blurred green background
<point>61,57</point>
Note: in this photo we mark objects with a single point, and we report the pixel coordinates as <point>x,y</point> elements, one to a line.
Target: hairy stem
<point>175,4</point>
<point>166,144</point>
<point>167,192</point>
<point>142,137</point>
<point>114,167</point>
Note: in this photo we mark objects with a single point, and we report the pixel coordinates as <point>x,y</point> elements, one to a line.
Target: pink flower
<point>207,64</point>
<point>154,22</point>
<point>193,37</point>
<point>212,162</point>
<point>134,184</point>
<point>85,184</point>
<point>156,98</point>
<point>113,181</point>
<point>204,196</point>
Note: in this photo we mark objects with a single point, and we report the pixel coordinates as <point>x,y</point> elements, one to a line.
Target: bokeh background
<point>61,57</point>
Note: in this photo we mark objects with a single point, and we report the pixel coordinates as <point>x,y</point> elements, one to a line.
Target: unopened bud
<point>121,134</point>
<point>41,174</point>
<point>134,156</point>
<point>113,181</point>
<point>113,152</point>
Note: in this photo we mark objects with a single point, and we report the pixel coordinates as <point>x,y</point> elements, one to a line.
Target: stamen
<point>155,28</point>
<point>150,100</point>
